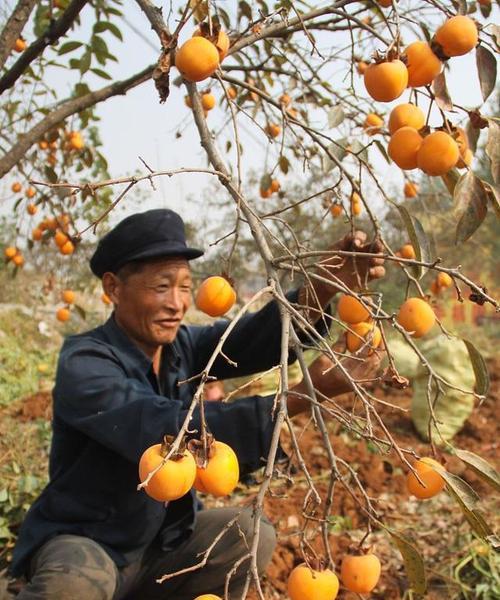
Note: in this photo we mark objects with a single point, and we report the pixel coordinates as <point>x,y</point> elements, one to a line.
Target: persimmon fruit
<point>208,597</point>
<point>433,481</point>
<point>416,317</point>
<point>404,146</point>
<point>60,238</point>
<point>222,42</point>
<point>31,209</point>
<point>30,192</point>
<point>351,310</point>
<point>363,335</point>
<point>20,45</point>
<point>457,36</point>
<point>437,154</point>
<point>173,480</point>
<point>361,67</point>
<point>63,315</point>
<point>360,574</point>
<point>407,251</point>
<point>285,99</point>
<point>18,260</point>
<point>273,130</point>
<point>465,159</point>
<point>336,210</point>
<point>68,296</point>
<point>36,234</point>
<point>373,124</point>
<point>215,296</point>
<point>10,252</point>
<point>385,3</point>
<point>410,189</point>
<point>207,101</point>
<point>422,64</point>
<point>444,280</point>
<point>386,81</point>
<point>406,115</point>
<point>67,248</point>
<point>197,59</point>
<point>16,187</point>
<point>305,583</point>
<point>221,474</point>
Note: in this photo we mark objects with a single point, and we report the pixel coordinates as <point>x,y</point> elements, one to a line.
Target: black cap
<point>158,232</point>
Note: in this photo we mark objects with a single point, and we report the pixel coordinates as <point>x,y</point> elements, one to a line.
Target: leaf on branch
<point>467,499</point>
<point>335,117</point>
<point>414,563</point>
<point>480,370</point>
<point>265,181</point>
<point>471,204</point>
<point>338,151</point>
<point>101,26</point>
<point>68,47</point>
<point>360,150</point>
<point>50,174</point>
<point>161,75</point>
<point>101,73</point>
<point>200,9</point>
<point>440,90</point>
<point>284,164</point>
<point>493,149</point>
<point>485,9</point>
<point>383,151</point>
<point>450,180</point>
<point>472,134</point>
<point>419,241</point>
<point>84,62</point>
<point>481,467</point>
<point>245,9</point>
<point>80,311</point>
<point>487,70</point>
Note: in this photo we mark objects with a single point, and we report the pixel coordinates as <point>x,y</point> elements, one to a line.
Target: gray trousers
<point>70,567</point>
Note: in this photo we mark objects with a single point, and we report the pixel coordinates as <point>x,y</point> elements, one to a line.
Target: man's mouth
<point>168,322</point>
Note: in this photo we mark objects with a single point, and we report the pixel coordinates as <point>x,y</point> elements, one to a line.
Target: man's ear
<point>111,285</point>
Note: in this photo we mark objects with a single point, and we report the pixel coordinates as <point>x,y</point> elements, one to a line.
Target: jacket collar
<point>119,339</point>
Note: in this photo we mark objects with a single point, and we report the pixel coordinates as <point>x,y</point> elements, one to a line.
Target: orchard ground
<point>459,566</point>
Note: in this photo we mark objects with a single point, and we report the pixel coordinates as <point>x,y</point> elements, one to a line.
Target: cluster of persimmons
<point>412,142</point>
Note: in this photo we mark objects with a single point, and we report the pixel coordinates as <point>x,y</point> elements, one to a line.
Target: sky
<point>137,125</point>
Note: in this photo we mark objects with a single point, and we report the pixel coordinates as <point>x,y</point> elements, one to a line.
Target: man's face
<point>150,304</point>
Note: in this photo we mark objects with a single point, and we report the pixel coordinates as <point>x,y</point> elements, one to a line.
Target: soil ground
<point>444,538</point>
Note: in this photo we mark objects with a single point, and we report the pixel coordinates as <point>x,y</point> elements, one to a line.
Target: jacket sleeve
<point>254,344</point>
<point>94,395</point>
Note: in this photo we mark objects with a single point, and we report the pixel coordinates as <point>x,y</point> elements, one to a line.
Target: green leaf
<point>50,174</point>
<point>335,116</point>
<point>80,311</point>
<point>414,563</point>
<point>101,26</point>
<point>265,182</point>
<point>487,70</point>
<point>467,499</point>
<point>493,149</point>
<point>99,46</point>
<point>101,73</point>
<point>383,151</point>
<point>480,369</point>
<point>338,150</point>
<point>84,62</point>
<point>68,47</point>
<point>284,164</point>
<point>418,239</point>
<point>481,467</point>
<point>471,205</point>
<point>359,150</point>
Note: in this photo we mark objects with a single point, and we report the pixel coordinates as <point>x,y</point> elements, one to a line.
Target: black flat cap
<point>154,233</point>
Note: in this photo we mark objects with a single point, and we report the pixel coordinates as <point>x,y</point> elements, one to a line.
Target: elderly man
<point>90,535</point>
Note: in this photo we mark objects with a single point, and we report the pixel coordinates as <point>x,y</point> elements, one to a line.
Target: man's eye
<point>186,288</point>
<point>161,289</point>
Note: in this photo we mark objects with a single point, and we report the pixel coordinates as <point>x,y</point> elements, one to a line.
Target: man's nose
<point>174,299</point>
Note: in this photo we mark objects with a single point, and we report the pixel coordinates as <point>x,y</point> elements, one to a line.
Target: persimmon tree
<point>311,84</point>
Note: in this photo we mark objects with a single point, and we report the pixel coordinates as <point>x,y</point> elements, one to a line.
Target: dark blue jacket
<point>109,407</point>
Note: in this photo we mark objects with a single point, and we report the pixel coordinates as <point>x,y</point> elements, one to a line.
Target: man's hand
<point>353,272</point>
<point>330,381</point>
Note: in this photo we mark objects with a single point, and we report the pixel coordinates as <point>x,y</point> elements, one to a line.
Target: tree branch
<point>13,27</point>
<point>56,30</point>
<point>64,110</point>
